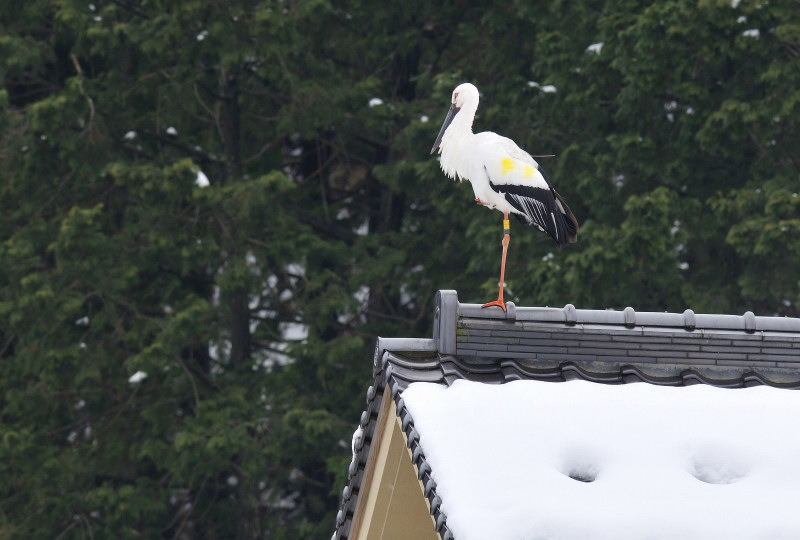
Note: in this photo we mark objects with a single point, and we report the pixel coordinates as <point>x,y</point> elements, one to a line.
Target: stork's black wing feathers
<point>542,208</point>
<point>569,219</point>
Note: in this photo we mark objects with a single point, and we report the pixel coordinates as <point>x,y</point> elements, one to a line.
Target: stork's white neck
<point>455,140</point>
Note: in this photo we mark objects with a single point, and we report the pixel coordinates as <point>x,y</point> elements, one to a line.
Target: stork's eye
<point>455,97</point>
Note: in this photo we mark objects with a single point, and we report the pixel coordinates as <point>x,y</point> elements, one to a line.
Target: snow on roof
<point>581,460</point>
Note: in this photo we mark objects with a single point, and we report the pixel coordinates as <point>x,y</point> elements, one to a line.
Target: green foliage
<point>179,361</point>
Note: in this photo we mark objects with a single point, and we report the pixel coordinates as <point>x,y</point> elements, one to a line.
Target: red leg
<point>506,239</point>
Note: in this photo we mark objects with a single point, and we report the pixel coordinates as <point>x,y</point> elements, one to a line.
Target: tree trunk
<point>231,138</point>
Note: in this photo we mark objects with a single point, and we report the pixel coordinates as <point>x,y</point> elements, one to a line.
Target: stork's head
<point>464,96</point>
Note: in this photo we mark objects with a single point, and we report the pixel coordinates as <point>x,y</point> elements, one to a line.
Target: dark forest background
<point>179,361</point>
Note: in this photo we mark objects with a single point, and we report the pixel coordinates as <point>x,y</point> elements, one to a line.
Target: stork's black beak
<point>449,118</point>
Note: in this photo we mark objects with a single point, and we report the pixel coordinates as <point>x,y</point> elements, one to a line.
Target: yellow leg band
<point>506,224</point>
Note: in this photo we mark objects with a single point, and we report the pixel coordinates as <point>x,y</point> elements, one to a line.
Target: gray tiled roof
<point>557,344</point>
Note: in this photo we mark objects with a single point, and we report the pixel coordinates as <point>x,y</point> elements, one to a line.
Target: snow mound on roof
<point>578,460</point>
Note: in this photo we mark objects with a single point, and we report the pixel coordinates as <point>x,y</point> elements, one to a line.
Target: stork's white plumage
<point>503,176</point>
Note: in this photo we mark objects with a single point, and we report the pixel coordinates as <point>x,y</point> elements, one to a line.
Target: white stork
<point>503,176</point>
